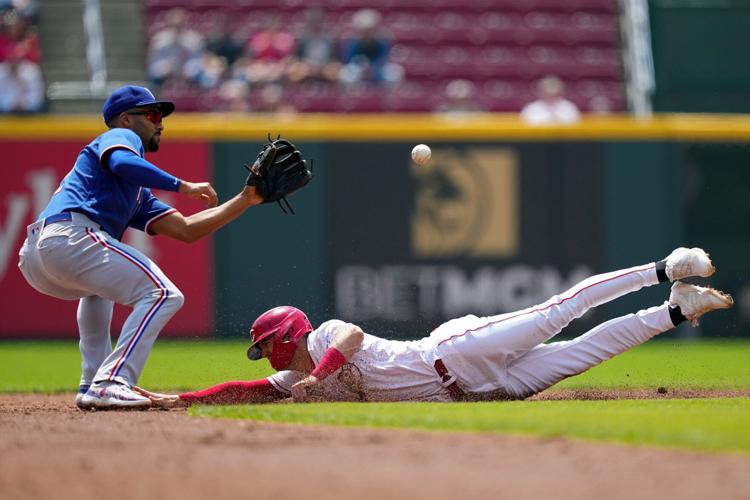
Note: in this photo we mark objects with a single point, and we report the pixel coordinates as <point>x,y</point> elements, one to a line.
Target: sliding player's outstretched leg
<point>547,364</point>
<point>479,348</point>
<point>561,309</point>
<point>514,333</point>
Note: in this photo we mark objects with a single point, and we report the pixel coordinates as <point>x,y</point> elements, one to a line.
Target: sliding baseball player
<point>466,359</point>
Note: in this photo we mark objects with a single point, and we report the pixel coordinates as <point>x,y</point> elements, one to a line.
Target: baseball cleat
<point>82,390</point>
<point>112,396</point>
<point>695,301</point>
<point>688,262</point>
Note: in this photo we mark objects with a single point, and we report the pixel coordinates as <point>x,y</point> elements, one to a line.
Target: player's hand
<point>163,401</point>
<point>302,390</point>
<point>202,191</point>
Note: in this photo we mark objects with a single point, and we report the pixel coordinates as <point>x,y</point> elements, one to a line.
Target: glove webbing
<point>287,201</point>
<point>287,205</point>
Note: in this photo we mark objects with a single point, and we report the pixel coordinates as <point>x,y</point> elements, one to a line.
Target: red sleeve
<point>230,393</point>
<point>331,361</point>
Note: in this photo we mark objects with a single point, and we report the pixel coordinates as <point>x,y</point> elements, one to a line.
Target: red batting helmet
<point>288,325</point>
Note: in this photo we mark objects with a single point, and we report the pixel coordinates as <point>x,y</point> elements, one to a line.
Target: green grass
<point>193,364</point>
<point>173,365</point>
<point>686,364</point>
<point>697,424</point>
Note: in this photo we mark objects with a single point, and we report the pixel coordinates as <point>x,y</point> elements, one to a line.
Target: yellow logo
<point>466,204</point>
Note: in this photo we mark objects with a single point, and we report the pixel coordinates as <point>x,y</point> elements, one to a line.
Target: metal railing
<point>637,56</point>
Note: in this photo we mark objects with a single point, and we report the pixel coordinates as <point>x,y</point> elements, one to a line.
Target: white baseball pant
<point>76,260</point>
<point>507,352</point>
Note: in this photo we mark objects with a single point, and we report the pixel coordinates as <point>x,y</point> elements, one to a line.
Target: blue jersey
<point>111,201</point>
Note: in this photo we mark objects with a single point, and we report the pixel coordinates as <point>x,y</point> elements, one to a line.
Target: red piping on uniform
<point>161,298</point>
<point>547,307</point>
<point>157,218</point>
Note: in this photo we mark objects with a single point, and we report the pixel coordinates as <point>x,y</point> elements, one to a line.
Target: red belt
<point>449,382</point>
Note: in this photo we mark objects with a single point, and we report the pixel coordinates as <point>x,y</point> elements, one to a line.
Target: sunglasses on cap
<point>152,115</point>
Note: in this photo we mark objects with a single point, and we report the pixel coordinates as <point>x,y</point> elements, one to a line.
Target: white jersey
<point>381,370</point>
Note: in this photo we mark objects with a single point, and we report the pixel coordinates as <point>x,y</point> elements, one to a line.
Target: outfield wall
<point>501,218</point>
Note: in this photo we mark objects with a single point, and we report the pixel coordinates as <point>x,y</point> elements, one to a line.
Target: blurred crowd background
<point>21,78</point>
<point>505,214</point>
<point>572,57</point>
<point>328,56</point>
<point>399,56</point>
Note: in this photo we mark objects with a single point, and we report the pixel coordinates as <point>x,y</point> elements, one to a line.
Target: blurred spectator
<point>234,96</point>
<point>272,100</point>
<point>315,58</point>
<point>27,8</point>
<point>175,51</point>
<point>208,71</point>
<point>18,38</point>
<point>271,50</point>
<point>365,55</point>
<point>242,70</point>
<point>460,98</point>
<point>223,43</point>
<point>551,107</point>
<point>22,85</point>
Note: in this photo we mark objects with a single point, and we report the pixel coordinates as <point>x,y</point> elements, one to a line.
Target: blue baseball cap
<point>133,96</point>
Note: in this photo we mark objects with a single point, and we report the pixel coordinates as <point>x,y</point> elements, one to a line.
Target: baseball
<point>421,153</point>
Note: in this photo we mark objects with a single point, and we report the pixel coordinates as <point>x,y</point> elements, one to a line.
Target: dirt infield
<point>49,449</point>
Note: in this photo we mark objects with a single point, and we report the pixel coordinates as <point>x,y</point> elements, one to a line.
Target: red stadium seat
<point>551,60</point>
<point>503,61</point>
<point>594,28</point>
<point>419,61</point>
<point>598,62</point>
<point>361,99</point>
<point>412,97</point>
<point>502,45</point>
<point>183,95</point>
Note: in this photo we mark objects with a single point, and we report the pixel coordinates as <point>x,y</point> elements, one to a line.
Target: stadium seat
<point>499,61</point>
<point>361,99</point>
<point>502,45</point>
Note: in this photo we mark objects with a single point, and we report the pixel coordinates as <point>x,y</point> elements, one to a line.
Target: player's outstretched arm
<point>196,226</point>
<point>228,393</point>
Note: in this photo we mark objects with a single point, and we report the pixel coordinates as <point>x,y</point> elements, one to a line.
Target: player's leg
<point>94,313</point>
<point>91,260</point>
<point>507,336</point>
<point>134,280</point>
<point>94,319</point>
<point>546,365</point>
<point>515,333</point>
<point>479,353</point>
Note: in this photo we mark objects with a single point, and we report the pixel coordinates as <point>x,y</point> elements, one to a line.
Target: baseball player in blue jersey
<point>73,250</point>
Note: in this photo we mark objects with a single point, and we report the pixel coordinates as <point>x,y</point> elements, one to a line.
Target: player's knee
<point>176,299</point>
